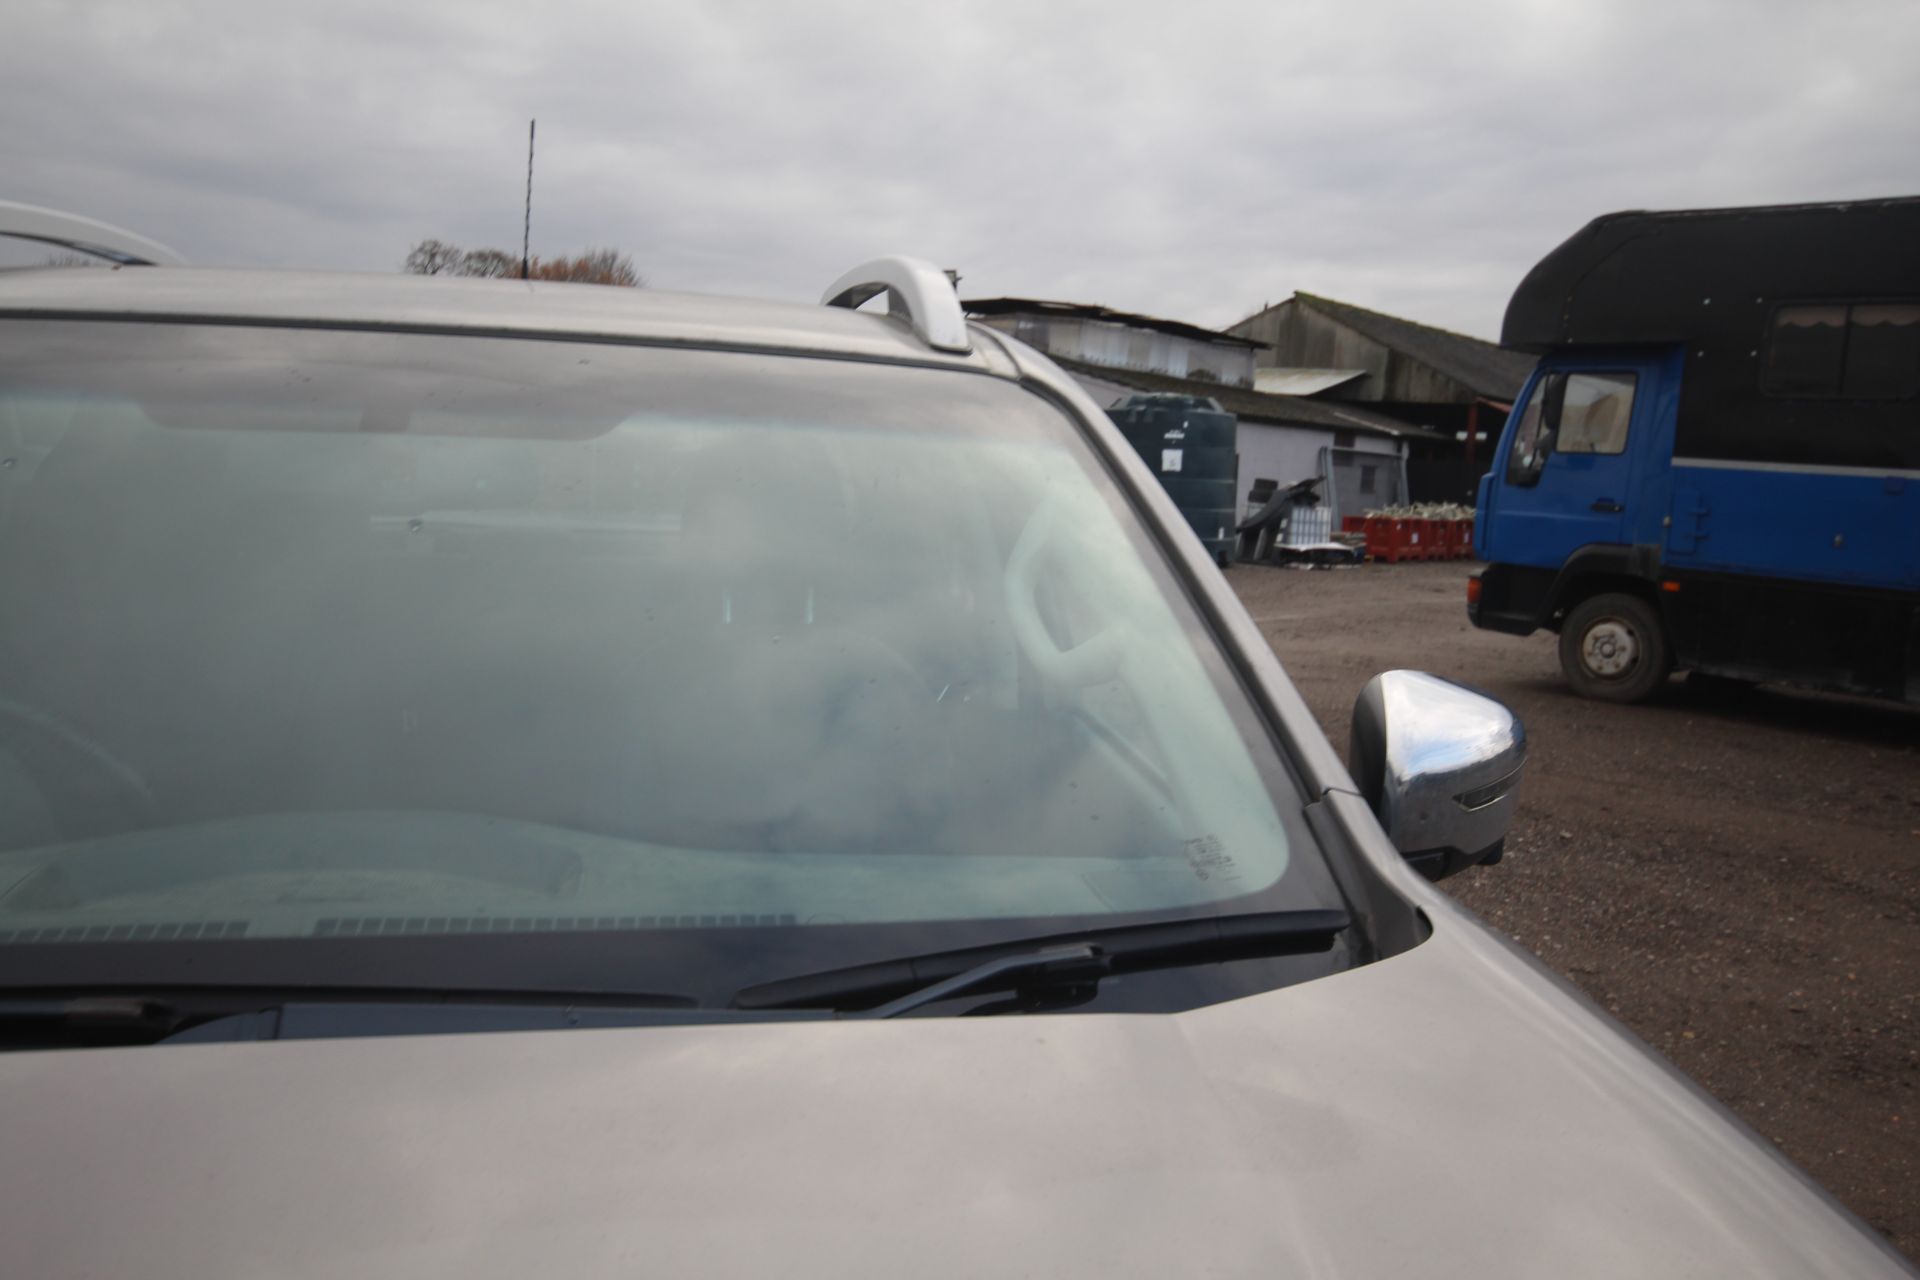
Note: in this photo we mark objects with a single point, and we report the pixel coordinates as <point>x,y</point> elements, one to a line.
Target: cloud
<point>1191,160</point>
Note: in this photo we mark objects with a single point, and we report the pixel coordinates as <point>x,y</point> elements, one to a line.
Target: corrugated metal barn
<point>1121,339</point>
<point>1325,414</point>
<point>1460,386</point>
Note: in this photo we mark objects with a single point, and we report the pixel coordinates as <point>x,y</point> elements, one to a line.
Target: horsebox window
<point>1862,350</point>
<point>1883,351</point>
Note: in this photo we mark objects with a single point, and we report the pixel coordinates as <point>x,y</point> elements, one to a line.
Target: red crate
<point>1353,524</point>
<point>1419,539</point>
<point>1389,538</point>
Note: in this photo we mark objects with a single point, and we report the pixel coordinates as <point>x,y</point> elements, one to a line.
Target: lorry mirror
<point>1439,763</point>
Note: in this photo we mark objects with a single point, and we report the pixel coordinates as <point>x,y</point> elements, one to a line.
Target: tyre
<point>1613,647</point>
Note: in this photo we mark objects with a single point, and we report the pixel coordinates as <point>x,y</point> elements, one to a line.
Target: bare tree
<point>493,264</point>
<point>435,258</point>
<point>595,266</point>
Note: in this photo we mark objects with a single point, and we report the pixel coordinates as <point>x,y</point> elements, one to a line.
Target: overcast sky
<point>1184,158</point>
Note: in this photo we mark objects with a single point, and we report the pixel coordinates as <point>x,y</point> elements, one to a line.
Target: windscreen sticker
<point>1170,459</point>
<point>1211,861</point>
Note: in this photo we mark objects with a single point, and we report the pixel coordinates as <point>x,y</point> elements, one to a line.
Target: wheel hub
<point>1610,649</point>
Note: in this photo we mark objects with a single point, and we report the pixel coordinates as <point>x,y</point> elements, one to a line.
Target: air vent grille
<point>391,926</point>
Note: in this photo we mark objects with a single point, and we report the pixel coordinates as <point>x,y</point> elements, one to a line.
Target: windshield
<point>340,635</point>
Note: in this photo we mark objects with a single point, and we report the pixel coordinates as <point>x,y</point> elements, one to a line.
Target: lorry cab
<point>1582,462</point>
<point>1716,463</point>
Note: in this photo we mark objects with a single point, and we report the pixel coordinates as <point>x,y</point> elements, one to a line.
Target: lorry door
<point>1565,479</point>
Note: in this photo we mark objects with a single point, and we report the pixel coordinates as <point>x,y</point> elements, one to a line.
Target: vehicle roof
<point>537,308</point>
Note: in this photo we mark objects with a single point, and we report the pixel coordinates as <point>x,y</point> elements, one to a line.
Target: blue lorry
<point>1715,465</point>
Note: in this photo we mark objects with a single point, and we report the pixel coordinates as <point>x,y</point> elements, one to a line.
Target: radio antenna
<point>526,227</point>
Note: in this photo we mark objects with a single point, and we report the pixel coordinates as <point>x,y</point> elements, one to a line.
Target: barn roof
<point>1480,366</point>
<point>1092,311</point>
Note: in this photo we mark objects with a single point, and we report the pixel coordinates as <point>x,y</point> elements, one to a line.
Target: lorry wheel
<point>1613,647</point>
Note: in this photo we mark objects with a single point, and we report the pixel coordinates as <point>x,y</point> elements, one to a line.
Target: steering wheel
<point>1095,660</point>
<point>832,740</point>
<point>1105,655</point>
<point>130,787</point>
<point>878,695</point>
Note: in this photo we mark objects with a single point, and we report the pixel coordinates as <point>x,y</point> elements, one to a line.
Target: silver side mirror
<point>1439,763</point>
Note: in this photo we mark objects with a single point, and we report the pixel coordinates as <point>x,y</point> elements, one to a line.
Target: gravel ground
<point>1736,877</point>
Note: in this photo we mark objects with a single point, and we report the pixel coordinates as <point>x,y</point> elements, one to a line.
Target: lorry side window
<point>1530,439</point>
<point>1805,351</point>
<point>1595,413</point>
<point>1571,413</point>
<point>1865,350</point>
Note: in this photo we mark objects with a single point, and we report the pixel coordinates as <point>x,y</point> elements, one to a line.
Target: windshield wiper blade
<point>136,1015</point>
<point>888,988</point>
<point>1080,963</point>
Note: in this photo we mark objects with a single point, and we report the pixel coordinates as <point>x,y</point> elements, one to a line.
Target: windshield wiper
<point>136,1015</point>
<point>888,988</point>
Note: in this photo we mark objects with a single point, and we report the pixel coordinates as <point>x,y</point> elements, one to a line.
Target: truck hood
<point>1450,1111</point>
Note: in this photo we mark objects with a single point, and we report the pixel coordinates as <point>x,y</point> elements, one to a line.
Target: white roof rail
<point>84,235</point>
<point>918,288</point>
